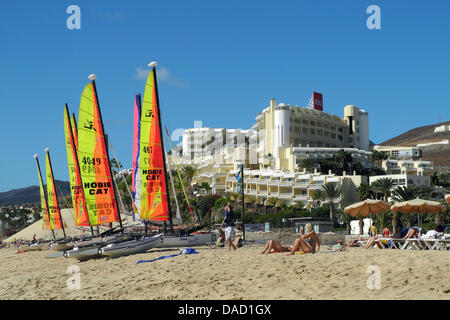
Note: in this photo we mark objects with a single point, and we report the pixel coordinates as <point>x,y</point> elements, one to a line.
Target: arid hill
<point>438,153</point>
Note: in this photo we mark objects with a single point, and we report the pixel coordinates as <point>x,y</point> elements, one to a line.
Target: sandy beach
<point>216,273</point>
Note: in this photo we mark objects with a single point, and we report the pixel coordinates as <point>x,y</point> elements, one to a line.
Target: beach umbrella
<point>418,206</point>
<point>366,208</point>
<point>447,198</point>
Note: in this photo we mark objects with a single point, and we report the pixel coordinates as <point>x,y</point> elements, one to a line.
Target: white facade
<point>404,180</point>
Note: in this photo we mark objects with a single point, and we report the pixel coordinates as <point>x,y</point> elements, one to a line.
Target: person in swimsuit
<point>308,243</point>
<point>275,246</point>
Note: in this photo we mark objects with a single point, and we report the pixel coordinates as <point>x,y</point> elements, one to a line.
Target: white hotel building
<point>272,149</point>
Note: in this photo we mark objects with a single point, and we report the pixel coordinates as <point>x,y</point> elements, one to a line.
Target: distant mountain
<point>30,195</point>
<point>438,153</point>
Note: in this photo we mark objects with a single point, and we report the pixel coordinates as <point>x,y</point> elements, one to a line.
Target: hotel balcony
<point>285,195</point>
<point>301,197</point>
<point>285,183</point>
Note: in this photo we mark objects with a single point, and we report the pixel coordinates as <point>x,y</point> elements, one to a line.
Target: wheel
<point>220,242</point>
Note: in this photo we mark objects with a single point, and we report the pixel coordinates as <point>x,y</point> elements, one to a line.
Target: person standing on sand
<point>228,221</point>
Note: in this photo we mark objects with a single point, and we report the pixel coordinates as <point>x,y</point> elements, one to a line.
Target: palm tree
<point>318,196</point>
<point>189,173</point>
<point>331,191</point>
<point>364,191</point>
<point>345,158</point>
<point>404,193</point>
<point>384,186</point>
<point>306,164</point>
<point>378,156</point>
<point>425,192</point>
<point>273,201</point>
<point>434,179</point>
<point>252,200</point>
<point>401,194</point>
<point>347,218</point>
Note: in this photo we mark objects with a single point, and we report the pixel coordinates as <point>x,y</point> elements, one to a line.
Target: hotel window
<point>305,122</point>
<point>333,127</point>
<point>340,129</point>
<point>313,131</point>
<point>320,132</point>
<point>305,130</point>
<point>333,135</point>
<point>326,126</point>
<point>340,137</point>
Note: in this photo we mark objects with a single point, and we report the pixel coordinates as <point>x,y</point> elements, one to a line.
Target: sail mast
<point>153,65</point>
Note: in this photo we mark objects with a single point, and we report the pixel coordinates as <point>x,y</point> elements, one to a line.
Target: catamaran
<point>51,215</point>
<point>96,179</point>
<point>149,180</point>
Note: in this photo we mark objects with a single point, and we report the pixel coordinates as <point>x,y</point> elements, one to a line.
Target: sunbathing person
<point>412,233</point>
<point>275,246</point>
<point>308,242</point>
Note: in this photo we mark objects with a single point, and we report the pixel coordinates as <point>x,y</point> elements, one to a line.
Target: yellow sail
<point>76,187</point>
<point>151,194</point>
<point>94,161</point>
<point>44,205</point>
<point>52,200</point>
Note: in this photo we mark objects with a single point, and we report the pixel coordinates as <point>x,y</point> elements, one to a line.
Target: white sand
<point>216,273</point>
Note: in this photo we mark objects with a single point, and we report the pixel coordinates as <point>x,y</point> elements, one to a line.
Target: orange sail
<point>44,204</point>
<point>151,196</point>
<point>94,163</point>
<point>79,203</point>
<point>52,199</point>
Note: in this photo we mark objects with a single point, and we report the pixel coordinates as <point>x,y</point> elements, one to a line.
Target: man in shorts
<point>228,222</point>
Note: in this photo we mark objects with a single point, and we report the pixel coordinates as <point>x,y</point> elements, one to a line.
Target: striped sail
<point>135,175</point>
<point>151,201</point>
<point>44,205</point>
<point>79,203</point>
<point>52,199</point>
<point>94,161</point>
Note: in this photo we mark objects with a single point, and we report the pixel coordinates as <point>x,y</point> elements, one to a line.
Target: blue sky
<point>219,62</point>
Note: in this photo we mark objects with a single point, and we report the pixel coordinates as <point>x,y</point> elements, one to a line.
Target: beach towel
<point>182,251</point>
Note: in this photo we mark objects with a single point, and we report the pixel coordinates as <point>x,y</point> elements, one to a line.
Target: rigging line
<point>178,215</point>
<point>179,177</point>
<point>64,198</point>
<point>125,181</point>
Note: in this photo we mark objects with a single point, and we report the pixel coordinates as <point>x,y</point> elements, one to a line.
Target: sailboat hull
<point>189,241</point>
<point>141,245</point>
<point>38,246</point>
<point>83,253</point>
<point>62,246</point>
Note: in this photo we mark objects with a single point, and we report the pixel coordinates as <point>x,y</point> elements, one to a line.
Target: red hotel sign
<point>317,101</point>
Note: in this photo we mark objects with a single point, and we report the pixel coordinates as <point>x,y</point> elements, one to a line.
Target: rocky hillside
<point>438,153</point>
<point>29,194</point>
